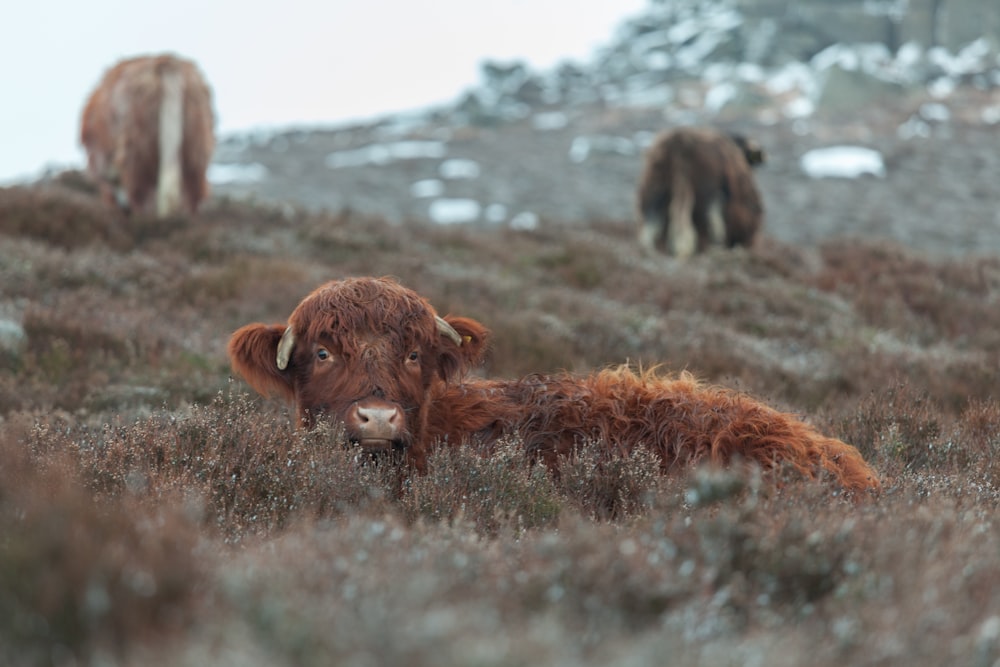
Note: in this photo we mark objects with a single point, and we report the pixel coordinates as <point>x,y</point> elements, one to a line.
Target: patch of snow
<point>719,96</point>
<point>942,87</point>
<point>454,211</point>
<point>428,187</point>
<point>935,111</point>
<point>970,59</point>
<point>873,59</point>
<point>842,162</point>
<point>550,120</point>
<point>220,173</point>
<point>459,169</point>
<point>800,107</point>
<point>657,60</point>
<point>525,220</point>
<point>750,72</point>
<point>12,335</point>
<point>990,115</point>
<point>914,127</point>
<point>909,55</point>
<point>792,76</point>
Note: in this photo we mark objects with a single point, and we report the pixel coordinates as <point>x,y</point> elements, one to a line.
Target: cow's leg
<point>716,224</point>
<point>651,230</point>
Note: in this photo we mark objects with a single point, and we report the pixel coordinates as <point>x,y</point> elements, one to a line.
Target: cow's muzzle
<point>376,426</point>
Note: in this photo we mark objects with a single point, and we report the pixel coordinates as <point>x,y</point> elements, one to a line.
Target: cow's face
<point>366,352</point>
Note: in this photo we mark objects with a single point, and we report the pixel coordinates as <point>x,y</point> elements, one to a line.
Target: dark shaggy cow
<point>148,129</point>
<point>698,190</point>
<point>374,355</point>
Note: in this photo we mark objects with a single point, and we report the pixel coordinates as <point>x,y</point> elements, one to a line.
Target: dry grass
<point>152,512</point>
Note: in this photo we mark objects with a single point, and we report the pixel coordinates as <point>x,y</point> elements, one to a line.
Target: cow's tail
<point>682,238</point>
<point>169,182</point>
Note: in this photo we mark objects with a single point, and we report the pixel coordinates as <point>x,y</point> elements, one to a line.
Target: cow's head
<point>363,351</point>
<point>752,151</point>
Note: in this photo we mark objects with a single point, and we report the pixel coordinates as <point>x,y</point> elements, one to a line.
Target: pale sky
<point>274,64</point>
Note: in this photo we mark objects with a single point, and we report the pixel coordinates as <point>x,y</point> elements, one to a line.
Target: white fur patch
<point>168,188</point>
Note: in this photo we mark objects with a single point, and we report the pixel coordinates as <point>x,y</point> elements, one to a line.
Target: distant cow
<point>148,128</point>
<point>375,356</point>
<point>698,190</point>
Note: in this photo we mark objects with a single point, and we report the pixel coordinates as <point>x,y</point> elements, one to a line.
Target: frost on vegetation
<point>454,211</point>
<point>384,153</point>
<point>842,162</point>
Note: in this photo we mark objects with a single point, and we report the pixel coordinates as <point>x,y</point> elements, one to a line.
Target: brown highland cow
<point>148,129</point>
<point>374,355</point>
<point>698,190</point>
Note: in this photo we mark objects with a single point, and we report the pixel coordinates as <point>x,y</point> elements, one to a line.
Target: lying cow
<point>374,355</point>
<point>148,129</point>
<point>697,190</point>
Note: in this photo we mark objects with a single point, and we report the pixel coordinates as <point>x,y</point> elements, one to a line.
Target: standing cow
<point>375,356</point>
<point>698,190</point>
<point>148,129</point>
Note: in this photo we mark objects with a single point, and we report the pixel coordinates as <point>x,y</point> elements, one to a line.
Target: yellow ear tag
<point>466,339</point>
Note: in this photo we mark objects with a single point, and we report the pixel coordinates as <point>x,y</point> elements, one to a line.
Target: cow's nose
<point>374,423</point>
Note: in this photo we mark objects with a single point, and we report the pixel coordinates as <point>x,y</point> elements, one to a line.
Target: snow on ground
<point>842,162</point>
<point>428,187</point>
<point>454,211</point>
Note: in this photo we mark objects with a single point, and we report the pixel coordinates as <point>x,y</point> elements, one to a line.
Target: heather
<point>153,510</point>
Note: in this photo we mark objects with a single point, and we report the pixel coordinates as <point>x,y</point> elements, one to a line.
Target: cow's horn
<point>285,346</point>
<point>446,329</point>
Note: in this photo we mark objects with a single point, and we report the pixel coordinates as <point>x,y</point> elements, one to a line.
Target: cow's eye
<point>413,356</point>
<point>323,354</point>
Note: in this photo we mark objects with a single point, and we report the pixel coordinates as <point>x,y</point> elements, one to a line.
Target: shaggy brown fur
<point>374,355</point>
<point>148,128</point>
<point>698,190</point>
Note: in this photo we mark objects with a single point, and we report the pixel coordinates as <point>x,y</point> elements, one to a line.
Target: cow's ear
<point>475,341</point>
<point>253,352</point>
